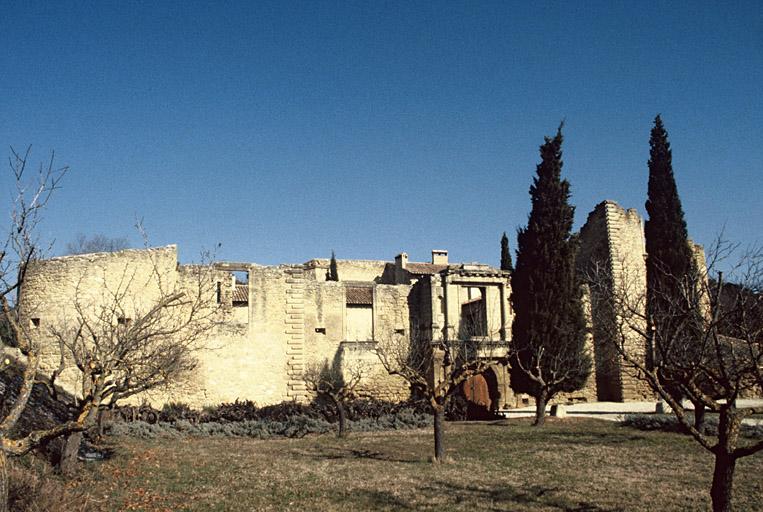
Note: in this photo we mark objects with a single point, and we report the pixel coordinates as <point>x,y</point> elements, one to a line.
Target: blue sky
<point>286,130</point>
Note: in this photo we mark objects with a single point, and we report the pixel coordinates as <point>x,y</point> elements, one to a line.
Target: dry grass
<point>572,464</point>
<point>34,488</point>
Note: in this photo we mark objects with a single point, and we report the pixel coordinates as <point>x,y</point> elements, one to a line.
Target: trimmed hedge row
<point>246,410</point>
<point>297,425</point>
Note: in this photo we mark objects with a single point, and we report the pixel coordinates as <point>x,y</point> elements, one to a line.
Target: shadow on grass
<point>349,453</point>
<point>366,499</point>
<point>568,434</point>
<point>505,496</point>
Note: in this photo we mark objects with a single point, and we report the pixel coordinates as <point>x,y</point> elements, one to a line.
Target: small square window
<point>35,322</point>
<point>124,321</point>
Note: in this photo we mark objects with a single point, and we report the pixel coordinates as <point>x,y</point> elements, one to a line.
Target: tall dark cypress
<point>670,265</point>
<point>505,254</point>
<point>549,327</point>
<point>667,241</point>
<point>669,258</point>
<point>333,273</point>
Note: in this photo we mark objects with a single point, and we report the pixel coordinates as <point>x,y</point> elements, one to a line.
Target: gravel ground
<point>615,411</point>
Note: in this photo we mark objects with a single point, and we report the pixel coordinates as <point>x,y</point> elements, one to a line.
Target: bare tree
<point>96,243</point>
<point>123,344</point>
<point>20,350</point>
<point>436,368</point>
<point>708,350</point>
<point>335,382</point>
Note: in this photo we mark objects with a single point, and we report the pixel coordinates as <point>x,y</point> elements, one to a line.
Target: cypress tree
<point>549,328</point>
<point>332,274</point>
<point>505,254</point>
<point>670,265</point>
<point>667,241</point>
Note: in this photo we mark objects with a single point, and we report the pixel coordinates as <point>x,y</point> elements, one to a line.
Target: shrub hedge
<point>669,423</point>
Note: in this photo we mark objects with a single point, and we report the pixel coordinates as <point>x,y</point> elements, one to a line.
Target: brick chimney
<point>401,260</point>
<point>439,257</point>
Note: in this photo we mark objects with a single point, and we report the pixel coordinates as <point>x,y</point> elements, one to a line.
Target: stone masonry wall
<point>348,270</point>
<point>56,289</point>
<point>294,317</point>
<point>612,240</point>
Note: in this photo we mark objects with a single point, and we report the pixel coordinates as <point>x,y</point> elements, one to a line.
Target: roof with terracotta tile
<point>361,295</point>
<point>241,293</point>
<point>424,268</point>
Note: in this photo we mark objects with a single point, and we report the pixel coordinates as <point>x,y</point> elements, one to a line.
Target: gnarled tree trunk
<point>342,413</point>
<point>3,482</point>
<point>699,416</point>
<point>68,463</point>
<point>725,461</point>
<point>439,424</point>
<point>540,409</point>
<point>723,480</point>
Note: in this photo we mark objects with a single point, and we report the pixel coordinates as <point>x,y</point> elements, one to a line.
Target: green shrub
<point>402,420</point>
<point>236,411</point>
<point>669,423</point>
<point>177,411</point>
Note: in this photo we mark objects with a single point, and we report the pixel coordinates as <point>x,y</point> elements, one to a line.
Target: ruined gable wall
<point>612,243</point>
<point>349,270</point>
<point>250,360</point>
<point>324,310</point>
<point>391,319</point>
<point>52,286</point>
<point>54,289</point>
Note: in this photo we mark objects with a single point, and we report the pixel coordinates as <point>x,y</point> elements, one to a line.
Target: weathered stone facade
<point>286,317</point>
<point>612,245</point>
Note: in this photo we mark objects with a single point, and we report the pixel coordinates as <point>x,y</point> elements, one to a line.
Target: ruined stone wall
<point>58,290</point>
<point>348,270</point>
<point>613,249</point>
<point>391,319</point>
<point>294,317</point>
<point>252,359</point>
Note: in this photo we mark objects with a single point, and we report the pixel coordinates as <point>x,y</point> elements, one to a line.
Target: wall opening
<point>240,296</point>
<point>474,314</point>
<point>360,313</point>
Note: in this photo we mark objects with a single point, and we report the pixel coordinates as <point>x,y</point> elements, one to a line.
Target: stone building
<point>278,319</point>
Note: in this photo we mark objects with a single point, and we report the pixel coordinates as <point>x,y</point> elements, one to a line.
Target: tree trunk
<point>699,417</point>
<point>725,462</point>
<point>68,463</point>
<point>99,423</point>
<point>723,479</point>
<point>540,410</point>
<point>3,482</point>
<point>439,421</point>
<point>342,418</point>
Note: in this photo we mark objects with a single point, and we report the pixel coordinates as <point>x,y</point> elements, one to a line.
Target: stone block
<point>558,411</point>
<point>662,407</point>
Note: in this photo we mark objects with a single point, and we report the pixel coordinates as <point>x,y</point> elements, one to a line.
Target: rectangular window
<point>474,314</point>
<point>360,313</point>
<point>360,322</point>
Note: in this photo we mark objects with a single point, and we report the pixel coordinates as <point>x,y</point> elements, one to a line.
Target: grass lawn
<point>570,464</point>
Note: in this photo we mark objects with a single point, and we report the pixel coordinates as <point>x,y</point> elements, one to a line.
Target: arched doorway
<point>481,393</point>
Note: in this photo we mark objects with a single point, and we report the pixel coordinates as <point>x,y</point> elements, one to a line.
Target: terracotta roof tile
<point>360,295</point>
<point>424,268</point>
<point>241,293</point>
